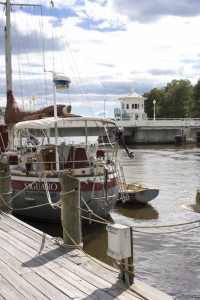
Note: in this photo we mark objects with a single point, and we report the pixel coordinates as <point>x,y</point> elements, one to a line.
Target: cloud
<point>145,11</point>
<point>158,72</point>
<point>106,47</point>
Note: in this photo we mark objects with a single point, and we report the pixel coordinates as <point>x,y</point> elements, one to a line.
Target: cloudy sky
<point>106,47</point>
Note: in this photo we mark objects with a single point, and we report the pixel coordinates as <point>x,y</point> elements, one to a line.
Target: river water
<point>166,258</point>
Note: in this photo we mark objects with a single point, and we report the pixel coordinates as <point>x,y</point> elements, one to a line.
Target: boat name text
<point>40,186</point>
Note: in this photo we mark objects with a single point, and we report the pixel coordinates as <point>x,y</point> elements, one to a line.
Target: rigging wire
<point>2,17</point>
<point>38,37</point>
<point>19,59</point>
<point>81,85</point>
<point>52,38</point>
<point>26,48</point>
<point>43,57</point>
<point>27,43</point>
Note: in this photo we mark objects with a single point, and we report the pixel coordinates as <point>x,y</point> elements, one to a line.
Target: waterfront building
<point>132,107</point>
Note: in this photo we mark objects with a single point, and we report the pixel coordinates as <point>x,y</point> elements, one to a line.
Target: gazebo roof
<point>132,95</point>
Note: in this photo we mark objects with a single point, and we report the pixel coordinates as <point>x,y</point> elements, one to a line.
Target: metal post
<point>56,126</point>
<point>154,110</point>
<point>128,265</point>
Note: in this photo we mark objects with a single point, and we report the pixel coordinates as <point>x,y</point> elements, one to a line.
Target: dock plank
<point>93,278</point>
<point>8,292</point>
<point>38,265</point>
<point>20,285</point>
<point>63,268</point>
<point>80,259</point>
<point>31,277</point>
<point>50,291</point>
<point>32,264</point>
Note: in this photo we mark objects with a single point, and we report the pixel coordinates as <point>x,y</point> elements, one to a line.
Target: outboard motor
<point>119,136</point>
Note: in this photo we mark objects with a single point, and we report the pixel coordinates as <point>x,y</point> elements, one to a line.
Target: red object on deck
<point>15,114</point>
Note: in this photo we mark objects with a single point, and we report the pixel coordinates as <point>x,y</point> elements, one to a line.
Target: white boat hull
<point>30,198</point>
<point>144,196</point>
<point>139,194</point>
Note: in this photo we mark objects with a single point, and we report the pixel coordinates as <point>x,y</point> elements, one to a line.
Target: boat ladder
<point>104,197</point>
<point>124,196</point>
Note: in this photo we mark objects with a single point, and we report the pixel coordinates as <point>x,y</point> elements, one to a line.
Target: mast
<point>8,49</point>
<point>60,81</point>
<point>8,62</point>
<point>8,56</point>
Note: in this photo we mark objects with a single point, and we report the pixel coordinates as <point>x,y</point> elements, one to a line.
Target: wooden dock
<point>32,266</point>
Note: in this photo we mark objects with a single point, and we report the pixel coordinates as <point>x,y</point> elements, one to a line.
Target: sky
<point>106,47</point>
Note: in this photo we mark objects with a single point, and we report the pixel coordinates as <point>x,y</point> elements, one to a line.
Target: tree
<point>154,94</point>
<point>2,111</point>
<point>173,101</point>
<point>195,109</point>
<point>178,98</point>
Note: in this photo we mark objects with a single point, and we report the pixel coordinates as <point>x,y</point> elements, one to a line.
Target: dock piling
<point>70,212</point>
<point>5,187</point>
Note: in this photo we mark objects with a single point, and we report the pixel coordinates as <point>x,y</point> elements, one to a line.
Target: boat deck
<point>32,266</point>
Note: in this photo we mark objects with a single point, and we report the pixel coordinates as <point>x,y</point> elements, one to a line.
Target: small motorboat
<point>137,193</point>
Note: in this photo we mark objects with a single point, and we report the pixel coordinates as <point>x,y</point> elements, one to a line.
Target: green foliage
<point>2,111</point>
<point>179,99</point>
<point>195,107</point>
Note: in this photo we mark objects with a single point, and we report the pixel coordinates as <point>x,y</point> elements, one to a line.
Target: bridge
<point>167,122</point>
<point>159,131</point>
<point>140,129</point>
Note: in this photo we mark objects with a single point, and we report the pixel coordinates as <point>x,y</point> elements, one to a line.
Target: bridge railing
<point>183,122</point>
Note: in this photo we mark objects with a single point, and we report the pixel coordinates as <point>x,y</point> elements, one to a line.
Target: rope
<point>102,221</point>
<point>68,192</point>
<point>5,204</point>
<point>61,243</point>
<point>96,221</point>
<point>171,225</point>
<point>166,232</point>
<point>122,269</point>
<point>27,187</point>
<point>4,176</point>
<point>53,205</point>
<point>31,207</point>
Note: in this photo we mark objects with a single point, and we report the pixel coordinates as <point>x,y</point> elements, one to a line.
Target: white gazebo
<point>132,107</point>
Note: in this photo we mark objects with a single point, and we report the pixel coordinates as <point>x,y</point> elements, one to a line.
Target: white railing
<point>184,122</point>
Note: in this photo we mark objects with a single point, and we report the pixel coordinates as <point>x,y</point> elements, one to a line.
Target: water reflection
<point>95,240</point>
<point>95,237</point>
<point>168,262</point>
<point>136,211</point>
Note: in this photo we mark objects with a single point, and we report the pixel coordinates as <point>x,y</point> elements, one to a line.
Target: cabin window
<point>127,106</point>
<point>132,106</point>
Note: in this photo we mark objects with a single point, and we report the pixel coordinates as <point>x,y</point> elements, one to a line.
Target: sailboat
<point>41,145</point>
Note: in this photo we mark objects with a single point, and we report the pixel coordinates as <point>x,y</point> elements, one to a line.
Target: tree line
<point>179,99</point>
<point>2,111</point>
